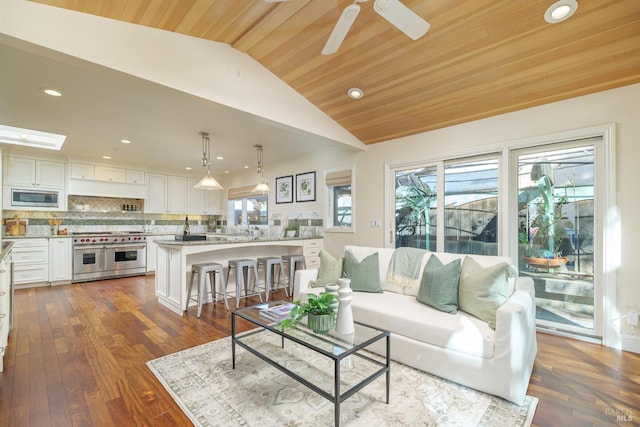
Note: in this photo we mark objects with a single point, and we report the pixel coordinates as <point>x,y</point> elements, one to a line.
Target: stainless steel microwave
<point>34,198</point>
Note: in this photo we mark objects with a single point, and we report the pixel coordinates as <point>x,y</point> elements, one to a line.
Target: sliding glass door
<point>548,216</point>
<point>463,218</point>
<point>556,224</point>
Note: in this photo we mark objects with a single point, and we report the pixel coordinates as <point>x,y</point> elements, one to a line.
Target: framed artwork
<point>306,187</point>
<point>284,189</point>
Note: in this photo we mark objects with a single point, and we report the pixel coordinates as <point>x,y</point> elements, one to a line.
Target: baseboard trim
<point>631,343</point>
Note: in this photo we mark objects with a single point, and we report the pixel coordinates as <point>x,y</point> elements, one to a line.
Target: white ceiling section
<point>232,96</point>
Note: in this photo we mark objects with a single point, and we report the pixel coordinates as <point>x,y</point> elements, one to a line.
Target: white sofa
<point>458,347</point>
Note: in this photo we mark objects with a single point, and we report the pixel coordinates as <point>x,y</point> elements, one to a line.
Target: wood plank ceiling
<point>480,58</point>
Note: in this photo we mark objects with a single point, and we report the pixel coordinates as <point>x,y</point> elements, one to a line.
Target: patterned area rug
<point>201,381</point>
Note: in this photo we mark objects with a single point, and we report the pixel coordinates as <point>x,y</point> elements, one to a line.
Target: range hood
<point>79,187</point>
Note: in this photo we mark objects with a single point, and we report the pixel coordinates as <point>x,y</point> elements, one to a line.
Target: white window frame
<point>607,229</point>
<point>328,214</point>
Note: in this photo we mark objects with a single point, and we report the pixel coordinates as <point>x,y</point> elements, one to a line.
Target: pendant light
<point>263,185</point>
<point>208,182</point>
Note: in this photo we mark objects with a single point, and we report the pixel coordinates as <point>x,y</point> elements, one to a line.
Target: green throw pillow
<point>483,289</point>
<point>365,275</point>
<point>439,286</point>
<point>330,270</point>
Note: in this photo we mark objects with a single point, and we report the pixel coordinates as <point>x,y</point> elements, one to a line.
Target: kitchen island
<point>175,257</point>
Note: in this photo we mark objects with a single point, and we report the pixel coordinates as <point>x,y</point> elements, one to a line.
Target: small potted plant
<point>291,230</point>
<point>320,317</point>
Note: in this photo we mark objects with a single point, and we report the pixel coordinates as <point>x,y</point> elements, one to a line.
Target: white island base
<point>174,260</point>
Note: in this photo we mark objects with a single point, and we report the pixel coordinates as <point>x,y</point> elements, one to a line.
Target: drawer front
<point>28,243</point>
<point>30,274</point>
<point>35,255</point>
<point>315,243</point>
<point>312,262</point>
<point>311,252</point>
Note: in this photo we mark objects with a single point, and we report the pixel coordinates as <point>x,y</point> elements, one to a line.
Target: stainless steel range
<point>107,255</point>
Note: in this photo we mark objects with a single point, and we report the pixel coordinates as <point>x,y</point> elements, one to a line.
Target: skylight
<point>31,138</point>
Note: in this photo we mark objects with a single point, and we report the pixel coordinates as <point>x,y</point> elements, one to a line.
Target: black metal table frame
<point>337,397</point>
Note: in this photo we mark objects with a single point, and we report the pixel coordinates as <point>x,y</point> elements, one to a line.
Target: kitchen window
<point>245,208</point>
<point>339,208</point>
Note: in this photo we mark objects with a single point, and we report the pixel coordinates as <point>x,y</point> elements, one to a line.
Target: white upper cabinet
<point>203,201</point>
<point>177,194</point>
<point>33,173</point>
<point>109,174</point>
<point>212,203</point>
<point>135,176</point>
<point>166,194</point>
<point>81,171</point>
<point>196,197</point>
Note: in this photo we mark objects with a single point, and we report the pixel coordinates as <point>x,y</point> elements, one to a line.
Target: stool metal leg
<point>202,278</point>
<point>189,292</point>
<point>256,288</point>
<point>224,289</point>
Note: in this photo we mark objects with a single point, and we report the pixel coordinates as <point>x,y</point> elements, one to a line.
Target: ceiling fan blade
<point>401,17</point>
<point>341,29</point>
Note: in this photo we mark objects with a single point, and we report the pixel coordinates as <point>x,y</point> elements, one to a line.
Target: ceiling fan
<point>399,15</point>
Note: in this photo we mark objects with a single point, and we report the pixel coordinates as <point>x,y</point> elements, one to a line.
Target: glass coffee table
<point>315,360</point>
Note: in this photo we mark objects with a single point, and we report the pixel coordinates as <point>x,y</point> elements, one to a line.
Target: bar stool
<point>203,270</point>
<point>270,283</point>
<point>242,266</point>
<point>293,261</point>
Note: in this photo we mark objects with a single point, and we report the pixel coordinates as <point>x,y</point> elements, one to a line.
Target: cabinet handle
<point>3,271</point>
<point>2,315</point>
<point>2,294</point>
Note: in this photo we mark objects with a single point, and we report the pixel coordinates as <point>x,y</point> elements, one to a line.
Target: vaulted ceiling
<point>479,58</point>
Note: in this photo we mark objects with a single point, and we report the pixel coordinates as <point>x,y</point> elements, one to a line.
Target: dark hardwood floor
<point>77,354</point>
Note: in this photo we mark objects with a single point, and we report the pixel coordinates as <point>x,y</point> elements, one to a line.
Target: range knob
<point>92,240</point>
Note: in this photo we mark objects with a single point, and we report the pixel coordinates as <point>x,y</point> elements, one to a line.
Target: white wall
<point>620,106</point>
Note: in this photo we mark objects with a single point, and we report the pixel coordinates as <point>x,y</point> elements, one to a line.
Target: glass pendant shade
<point>263,185</point>
<point>208,182</point>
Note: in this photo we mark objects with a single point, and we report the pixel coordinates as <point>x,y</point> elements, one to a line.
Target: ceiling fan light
<point>560,11</point>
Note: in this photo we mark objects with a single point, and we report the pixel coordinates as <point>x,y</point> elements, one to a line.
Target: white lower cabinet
<point>30,262</point>
<point>5,306</point>
<point>311,252</point>
<point>60,261</point>
<point>152,250</point>
<point>168,280</point>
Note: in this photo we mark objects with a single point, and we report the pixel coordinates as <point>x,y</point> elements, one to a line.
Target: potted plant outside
<point>321,317</point>
<point>550,227</point>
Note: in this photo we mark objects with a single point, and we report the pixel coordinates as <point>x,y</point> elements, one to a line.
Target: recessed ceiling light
<point>30,138</point>
<point>52,92</point>
<point>355,93</point>
<point>246,167</point>
<point>106,157</point>
<point>188,168</point>
<point>560,11</point>
<point>220,158</point>
<point>226,171</point>
<point>125,141</point>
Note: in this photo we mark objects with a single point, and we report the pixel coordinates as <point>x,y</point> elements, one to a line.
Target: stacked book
<point>277,312</point>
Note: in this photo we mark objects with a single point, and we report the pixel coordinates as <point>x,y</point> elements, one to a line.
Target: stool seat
<point>242,266</point>
<point>203,270</point>
<point>270,283</point>
<point>293,261</point>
